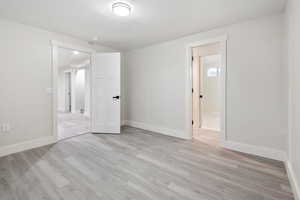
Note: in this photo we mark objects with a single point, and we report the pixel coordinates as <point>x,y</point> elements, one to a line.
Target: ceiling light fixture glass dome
<point>121,9</point>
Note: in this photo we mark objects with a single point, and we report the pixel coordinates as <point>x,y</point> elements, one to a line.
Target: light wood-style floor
<point>72,124</point>
<point>210,137</point>
<point>139,165</point>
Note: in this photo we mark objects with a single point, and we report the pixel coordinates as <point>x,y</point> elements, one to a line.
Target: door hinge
<point>192,90</point>
<point>192,122</point>
<point>192,58</point>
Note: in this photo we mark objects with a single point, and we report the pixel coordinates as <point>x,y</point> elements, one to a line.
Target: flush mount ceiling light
<point>121,9</point>
<point>96,38</point>
<point>75,52</point>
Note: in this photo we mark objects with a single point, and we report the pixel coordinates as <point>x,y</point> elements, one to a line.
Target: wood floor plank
<point>141,165</point>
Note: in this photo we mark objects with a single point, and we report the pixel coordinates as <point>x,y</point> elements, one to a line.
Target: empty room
<point>150,100</point>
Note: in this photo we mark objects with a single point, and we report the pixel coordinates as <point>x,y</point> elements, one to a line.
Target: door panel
<point>68,91</point>
<point>196,70</point>
<point>210,88</point>
<point>106,112</point>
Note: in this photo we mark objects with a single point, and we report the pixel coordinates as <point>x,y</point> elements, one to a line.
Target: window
<point>212,72</point>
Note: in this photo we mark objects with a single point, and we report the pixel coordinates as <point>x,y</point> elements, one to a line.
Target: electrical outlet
<point>5,128</point>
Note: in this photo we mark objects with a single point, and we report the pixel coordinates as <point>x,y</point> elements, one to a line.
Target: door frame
<point>54,57</point>
<point>222,39</point>
<point>70,103</point>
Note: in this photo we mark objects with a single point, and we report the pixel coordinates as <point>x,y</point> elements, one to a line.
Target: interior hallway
<point>72,124</point>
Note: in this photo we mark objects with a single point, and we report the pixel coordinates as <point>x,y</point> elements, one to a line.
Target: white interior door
<point>196,71</point>
<point>106,103</point>
<point>68,91</point>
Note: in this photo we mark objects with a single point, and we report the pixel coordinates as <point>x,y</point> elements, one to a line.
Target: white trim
<point>73,90</point>
<point>54,90</point>
<point>291,88</point>
<point>208,40</point>
<point>255,150</point>
<point>55,45</point>
<point>72,46</point>
<point>188,88</point>
<point>235,146</point>
<point>156,129</point>
<point>67,104</point>
<point>23,146</point>
<point>292,177</point>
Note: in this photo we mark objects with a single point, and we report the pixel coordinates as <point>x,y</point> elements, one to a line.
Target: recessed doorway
<point>73,93</point>
<point>206,90</point>
<point>86,91</point>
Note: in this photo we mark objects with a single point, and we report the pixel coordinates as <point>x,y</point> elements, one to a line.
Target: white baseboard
<point>255,150</point>
<point>241,147</point>
<point>292,177</point>
<point>23,146</point>
<point>157,129</point>
<point>123,122</point>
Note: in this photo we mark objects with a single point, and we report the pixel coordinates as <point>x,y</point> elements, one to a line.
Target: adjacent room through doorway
<point>206,70</point>
<point>73,85</point>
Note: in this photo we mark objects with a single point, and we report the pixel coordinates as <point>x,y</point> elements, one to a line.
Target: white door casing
<point>189,84</point>
<point>196,72</point>
<point>55,46</point>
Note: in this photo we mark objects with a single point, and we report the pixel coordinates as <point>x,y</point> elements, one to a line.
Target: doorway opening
<point>73,93</point>
<point>88,100</point>
<point>206,90</point>
<point>206,64</point>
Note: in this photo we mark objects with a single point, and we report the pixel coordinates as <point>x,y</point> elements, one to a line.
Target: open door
<point>106,103</point>
<point>68,88</point>
<point>206,96</point>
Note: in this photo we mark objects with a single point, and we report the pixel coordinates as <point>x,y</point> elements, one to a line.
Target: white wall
<point>292,62</point>
<point>61,91</point>
<point>80,90</point>
<point>156,78</point>
<point>25,73</point>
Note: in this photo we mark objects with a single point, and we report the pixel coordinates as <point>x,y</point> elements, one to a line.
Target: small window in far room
<point>212,72</point>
